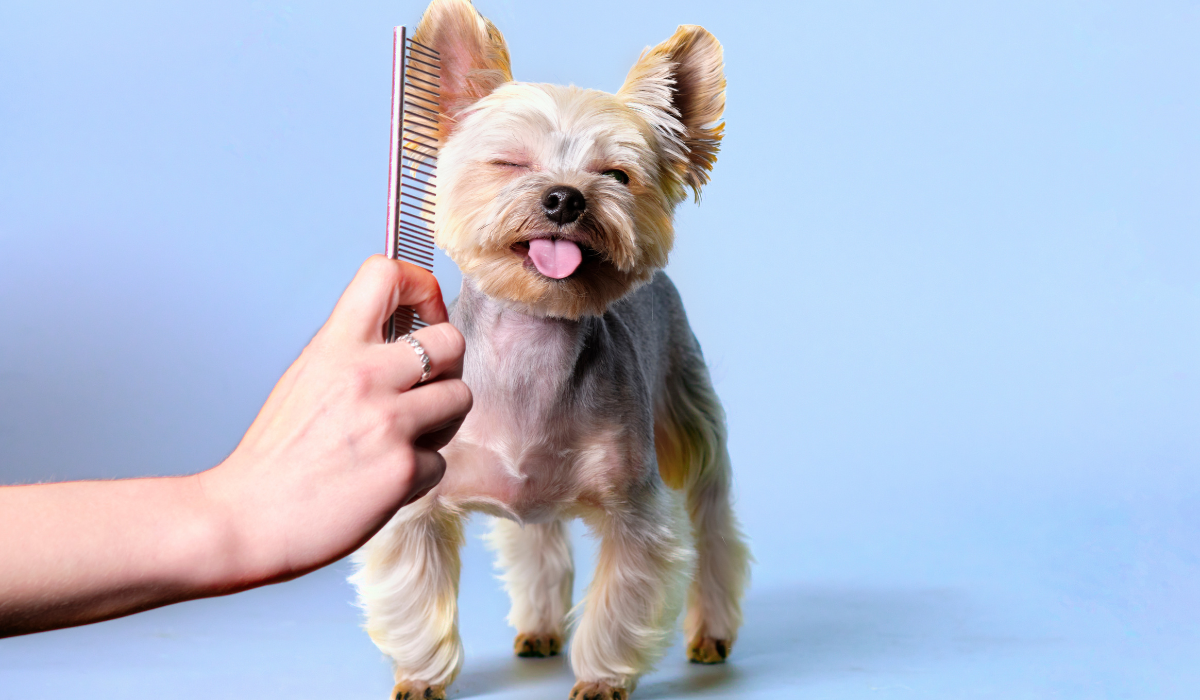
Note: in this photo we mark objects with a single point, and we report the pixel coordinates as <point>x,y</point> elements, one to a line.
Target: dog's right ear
<point>679,86</point>
<point>474,56</point>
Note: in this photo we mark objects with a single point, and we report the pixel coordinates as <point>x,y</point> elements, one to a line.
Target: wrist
<point>231,560</point>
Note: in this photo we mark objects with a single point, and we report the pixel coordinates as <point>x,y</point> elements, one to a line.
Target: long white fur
<point>408,586</point>
<point>631,607</point>
<point>538,573</point>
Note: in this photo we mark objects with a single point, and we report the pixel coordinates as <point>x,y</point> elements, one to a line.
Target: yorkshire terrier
<point>592,398</point>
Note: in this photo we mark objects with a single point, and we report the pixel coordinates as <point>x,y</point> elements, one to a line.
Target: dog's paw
<point>597,690</point>
<point>536,646</point>
<point>706,650</point>
<point>414,690</point>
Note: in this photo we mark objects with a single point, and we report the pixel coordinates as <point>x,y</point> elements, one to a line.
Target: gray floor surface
<point>1081,628</point>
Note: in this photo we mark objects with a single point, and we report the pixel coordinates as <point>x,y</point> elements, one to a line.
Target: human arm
<point>341,443</point>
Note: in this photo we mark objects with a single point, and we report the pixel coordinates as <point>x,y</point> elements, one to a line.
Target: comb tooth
<point>432,104</point>
<point>419,237</point>
<point>418,221</point>
<point>429,76</point>
<point>423,250</point>
<point>403,319</point>
<point>419,234</point>
<point>418,251</point>
<point>418,115</point>
<point>423,151</point>
<point>422,91</point>
<point>420,59</point>
<point>416,258</point>
<point>419,260</point>
<point>418,208</point>
<point>419,150</point>
<point>424,134</point>
<point>417,255</point>
<point>416,110</point>
<point>425,57</point>
<point>417,195</point>
<point>423,121</point>
<point>424,112</point>
<point>420,189</point>
<point>420,108</point>
<point>415,156</point>
<point>417,224</point>
<point>419,137</point>
<point>425,191</point>
<point>414,42</point>
<point>418,52</point>
<point>417,243</point>
<point>412,165</point>
<point>425,85</point>
<point>413,198</point>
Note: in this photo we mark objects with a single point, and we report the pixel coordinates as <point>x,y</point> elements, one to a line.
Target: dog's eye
<point>507,164</point>
<point>618,175</point>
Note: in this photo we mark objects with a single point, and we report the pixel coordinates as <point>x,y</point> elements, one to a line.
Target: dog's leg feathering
<point>722,567</point>
<point>408,584</point>
<point>539,573</point>
<point>693,456</point>
<point>635,597</point>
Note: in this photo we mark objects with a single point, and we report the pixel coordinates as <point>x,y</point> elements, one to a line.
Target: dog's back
<point>689,424</point>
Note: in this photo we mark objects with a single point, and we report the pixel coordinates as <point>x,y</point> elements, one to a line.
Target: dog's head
<point>559,200</point>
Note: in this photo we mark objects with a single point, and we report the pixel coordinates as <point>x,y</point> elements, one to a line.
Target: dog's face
<point>559,200</point>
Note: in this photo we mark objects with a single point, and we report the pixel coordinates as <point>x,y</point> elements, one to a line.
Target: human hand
<point>345,439</point>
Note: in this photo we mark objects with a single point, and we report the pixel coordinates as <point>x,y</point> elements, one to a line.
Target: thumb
<point>381,286</point>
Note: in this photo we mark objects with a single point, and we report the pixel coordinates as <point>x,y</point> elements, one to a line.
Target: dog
<point>592,398</point>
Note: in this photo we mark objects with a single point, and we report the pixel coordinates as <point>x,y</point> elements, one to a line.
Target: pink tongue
<point>554,258</point>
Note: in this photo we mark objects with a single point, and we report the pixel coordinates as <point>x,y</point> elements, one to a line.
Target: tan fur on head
<point>504,144</point>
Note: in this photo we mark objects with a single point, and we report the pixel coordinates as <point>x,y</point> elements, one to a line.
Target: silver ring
<point>426,365</point>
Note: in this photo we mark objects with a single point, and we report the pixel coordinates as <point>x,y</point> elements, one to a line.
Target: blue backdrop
<point>947,276</point>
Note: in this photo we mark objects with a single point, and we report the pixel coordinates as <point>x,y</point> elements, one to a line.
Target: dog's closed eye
<point>509,164</point>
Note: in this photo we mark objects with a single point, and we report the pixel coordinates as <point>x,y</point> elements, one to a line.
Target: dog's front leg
<point>408,584</point>
<point>538,575</point>
<point>636,594</point>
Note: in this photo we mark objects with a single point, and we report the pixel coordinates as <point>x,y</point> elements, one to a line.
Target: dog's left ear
<point>679,86</point>
<point>474,56</point>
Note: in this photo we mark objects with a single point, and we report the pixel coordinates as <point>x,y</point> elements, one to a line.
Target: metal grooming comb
<point>412,168</point>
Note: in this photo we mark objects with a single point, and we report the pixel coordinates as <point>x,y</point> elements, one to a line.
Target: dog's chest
<point>527,449</point>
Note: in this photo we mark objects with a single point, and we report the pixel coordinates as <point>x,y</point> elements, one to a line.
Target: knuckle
<point>383,269</point>
<point>364,377</point>
<point>459,394</point>
<point>450,340</point>
<point>456,341</point>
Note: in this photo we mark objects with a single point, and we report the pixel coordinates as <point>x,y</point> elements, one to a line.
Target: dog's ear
<point>474,57</point>
<point>679,86</point>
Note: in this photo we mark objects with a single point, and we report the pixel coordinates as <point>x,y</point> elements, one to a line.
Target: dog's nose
<point>563,204</point>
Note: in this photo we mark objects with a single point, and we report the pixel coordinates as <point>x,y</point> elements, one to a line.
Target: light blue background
<point>947,275</point>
